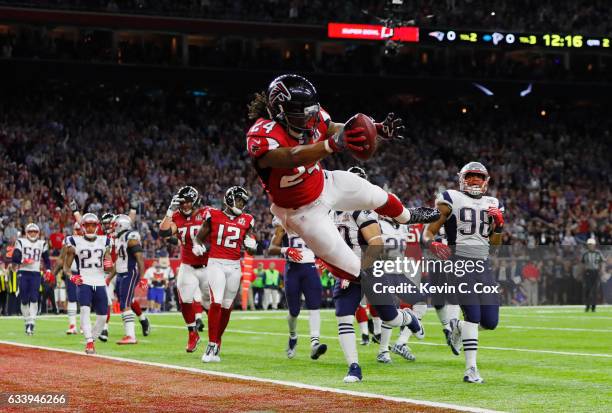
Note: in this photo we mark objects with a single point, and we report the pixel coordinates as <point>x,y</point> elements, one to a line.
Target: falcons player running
<point>90,251</point>
<point>291,134</point>
<point>28,253</point>
<point>184,218</point>
<point>359,228</point>
<point>228,230</point>
<point>301,277</point>
<point>472,222</point>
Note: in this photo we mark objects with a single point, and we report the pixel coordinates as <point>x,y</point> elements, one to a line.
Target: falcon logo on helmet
<point>278,91</point>
<point>32,232</point>
<point>236,199</point>
<point>107,220</point>
<point>90,224</point>
<point>121,224</point>
<point>474,179</point>
<point>359,171</point>
<point>188,195</point>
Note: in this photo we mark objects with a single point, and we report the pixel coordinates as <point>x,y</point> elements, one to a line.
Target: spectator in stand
<point>531,277</point>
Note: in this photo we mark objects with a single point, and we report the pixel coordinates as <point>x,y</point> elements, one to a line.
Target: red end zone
<point>98,384</point>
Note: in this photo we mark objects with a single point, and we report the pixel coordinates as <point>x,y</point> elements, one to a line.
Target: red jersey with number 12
<point>187,229</point>
<point>288,187</point>
<point>227,233</point>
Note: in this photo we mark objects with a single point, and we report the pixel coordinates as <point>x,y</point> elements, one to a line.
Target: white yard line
<point>264,380</point>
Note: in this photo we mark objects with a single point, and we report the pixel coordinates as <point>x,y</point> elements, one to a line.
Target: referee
<point>593,260</point>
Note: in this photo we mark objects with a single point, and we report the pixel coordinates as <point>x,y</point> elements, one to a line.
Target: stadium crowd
<point>559,15</point>
<point>110,152</point>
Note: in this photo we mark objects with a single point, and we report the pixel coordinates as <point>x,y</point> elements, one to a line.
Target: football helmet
<point>359,171</point>
<point>294,103</point>
<point>121,223</point>
<point>32,232</point>
<point>77,229</point>
<point>471,188</point>
<point>107,220</point>
<point>90,224</point>
<point>232,199</point>
<point>188,194</point>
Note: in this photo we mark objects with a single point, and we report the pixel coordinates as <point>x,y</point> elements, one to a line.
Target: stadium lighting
<point>542,113</point>
<point>526,91</point>
<point>464,110</point>
<point>483,89</point>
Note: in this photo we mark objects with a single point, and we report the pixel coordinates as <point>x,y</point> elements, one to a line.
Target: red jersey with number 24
<point>227,233</point>
<point>187,229</point>
<point>288,187</point>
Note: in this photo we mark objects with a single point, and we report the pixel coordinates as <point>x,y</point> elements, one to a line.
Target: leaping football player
<point>184,219</point>
<point>472,222</point>
<point>301,277</point>
<point>228,230</point>
<point>290,136</point>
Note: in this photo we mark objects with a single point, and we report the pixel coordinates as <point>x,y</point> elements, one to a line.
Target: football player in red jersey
<point>184,218</point>
<point>228,230</point>
<point>290,136</point>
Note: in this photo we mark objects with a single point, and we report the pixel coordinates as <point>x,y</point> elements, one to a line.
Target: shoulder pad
<point>446,198</point>
<point>133,235</point>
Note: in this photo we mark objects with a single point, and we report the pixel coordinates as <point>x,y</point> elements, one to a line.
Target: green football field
<point>542,359</point>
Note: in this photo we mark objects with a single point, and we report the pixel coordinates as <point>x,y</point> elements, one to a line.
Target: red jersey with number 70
<point>227,233</point>
<point>187,229</point>
<point>288,187</point>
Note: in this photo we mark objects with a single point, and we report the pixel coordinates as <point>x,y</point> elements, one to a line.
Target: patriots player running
<point>90,251</point>
<point>472,222</point>
<point>359,228</point>
<point>28,253</point>
<point>71,288</point>
<point>291,134</point>
<point>184,218</point>
<point>301,277</point>
<point>228,229</point>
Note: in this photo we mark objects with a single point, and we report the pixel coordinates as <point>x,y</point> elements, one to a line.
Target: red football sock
<point>108,313</point>
<point>188,313</point>
<point>337,272</point>
<point>225,316</point>
<point>136,308</point>
<point>373,311</point>
<point>214,322</point>
<point>392,208</point>
<point>361,314</point>
<point>197,307</point>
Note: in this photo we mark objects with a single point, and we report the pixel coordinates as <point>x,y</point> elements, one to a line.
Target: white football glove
<point>250,243</point>
<point>175,203</point>
<point>198,249</point>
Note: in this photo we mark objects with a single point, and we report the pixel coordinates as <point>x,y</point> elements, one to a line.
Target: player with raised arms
<point>301,277</point>
<point>228,230</point>
<point>472,222</point>
<point>290,136</point>
<point>90,251</point>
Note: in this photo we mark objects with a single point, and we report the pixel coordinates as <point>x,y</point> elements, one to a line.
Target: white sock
<point>419,310</point>
<point>292,321</point>
<point>377,323</point>
<point>105,325</point>
<point>398,321</point>
<point>314,321</point>
<point>71,309</point>
<point>469,335</point>
<point>198,316</point>
<point>403,217</point>
<point>33,312</point>
<point>404,336</point>
<point>99,326</point>
<point>86,322</point>
<point>363,326</point>
<point>128,323</point>
<point>25,312</point>
<point>142,316</point>
<point>453,311</point>
<point>385,337</point>
<point>346,335</point>
<point>443,317</point>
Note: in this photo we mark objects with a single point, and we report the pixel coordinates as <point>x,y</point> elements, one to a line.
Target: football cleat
<point>455,337</point>
<point>447,335</point>
<point>376,338</point>
<point>354,374</point>
<point>211,354</point>
<point>127,340</point>
<point>472,375</point>
<point>146,327</point>
<point>103,336</point>
<point>291,347</point>
<point>423,215</point>
<point>192,342</point>
<point>383,357</point>
<point>89,348</point>
<point>404,351</point>
<point>318,350</point>
<point>415,324</point>
<point>199,325</point>
<point>29,329</point>
<point>365,340</point>
<point>71,330</point>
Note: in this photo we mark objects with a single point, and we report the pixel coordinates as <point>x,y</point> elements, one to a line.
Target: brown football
<point>369,145</point>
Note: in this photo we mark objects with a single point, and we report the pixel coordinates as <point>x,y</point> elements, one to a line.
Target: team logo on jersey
<point>279,92</point>
<point>241,221</point>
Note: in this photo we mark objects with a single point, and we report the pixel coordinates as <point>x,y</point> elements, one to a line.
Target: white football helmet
<point>90,224</point>
<point>121,223</point>
<point>34,230</point>
<point>474,168</point>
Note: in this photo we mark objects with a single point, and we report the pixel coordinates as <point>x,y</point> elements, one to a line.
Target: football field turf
<point>540,359</point>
